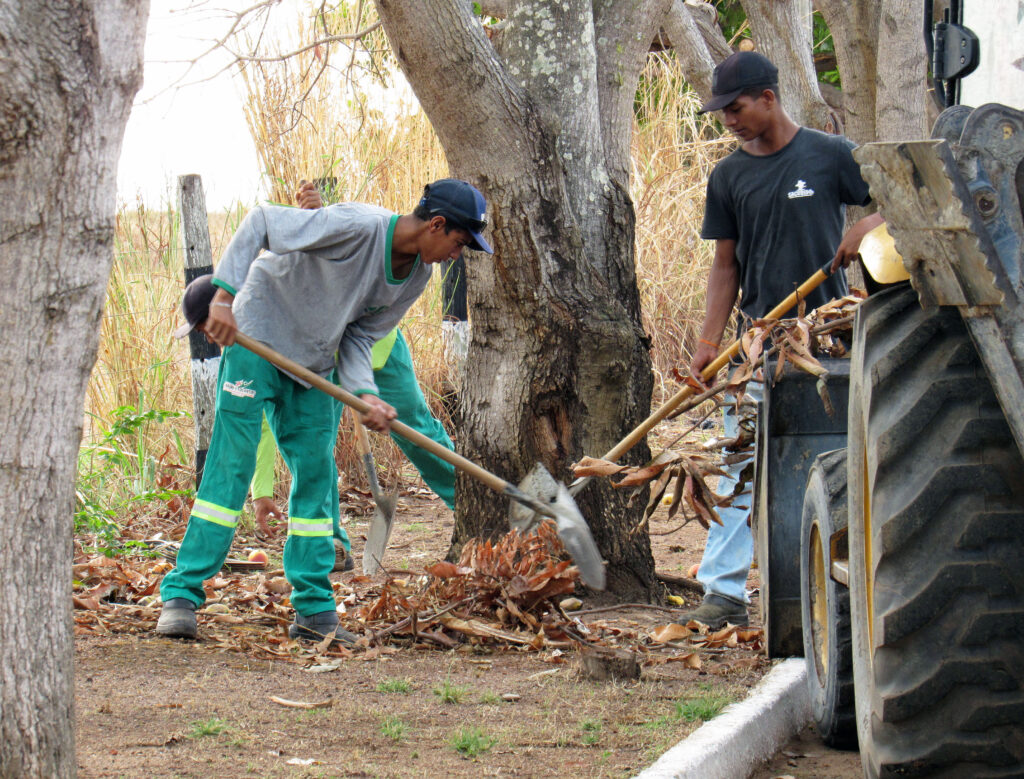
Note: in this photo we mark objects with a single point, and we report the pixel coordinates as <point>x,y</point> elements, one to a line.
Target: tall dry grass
<point>673,151</point>
<point>374,157</point>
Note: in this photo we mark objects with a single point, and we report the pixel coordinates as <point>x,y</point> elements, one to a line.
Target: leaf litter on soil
<point>505,594</point>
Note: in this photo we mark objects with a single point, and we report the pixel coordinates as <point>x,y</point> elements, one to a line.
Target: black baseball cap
<point>737,73</point>
<point>195,304</point>
<point>462,205</point>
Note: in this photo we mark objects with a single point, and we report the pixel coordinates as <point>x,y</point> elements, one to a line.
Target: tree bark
<point>854,27</point>
<point>558,364</point>
<point>782,32</point>
<point>68,74</point>
<point>695,54</point>
<point>901,102</point>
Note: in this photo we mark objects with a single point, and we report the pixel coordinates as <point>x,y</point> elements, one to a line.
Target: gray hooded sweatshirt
<point>317,286</point>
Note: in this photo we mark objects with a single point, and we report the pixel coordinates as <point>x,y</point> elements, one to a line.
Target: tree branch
<point>327,39</point>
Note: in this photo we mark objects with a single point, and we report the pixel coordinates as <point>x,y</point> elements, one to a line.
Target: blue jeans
<point>730,547</point>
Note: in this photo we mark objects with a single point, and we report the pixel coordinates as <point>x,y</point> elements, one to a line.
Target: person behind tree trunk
<point>775,210</point>
<point>320,287</point>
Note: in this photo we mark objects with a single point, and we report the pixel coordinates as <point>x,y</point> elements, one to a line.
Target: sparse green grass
<point>394,685</point>
<point>659,722</point>
<point>472,741</point>
<point>392,727</point>
<point>489,697</point>
<point>417,527</point>
<point>450,693</point>
<point>702,708</point>
<point>306,715</point>
<point>213,726</point>
<point>591,731</point>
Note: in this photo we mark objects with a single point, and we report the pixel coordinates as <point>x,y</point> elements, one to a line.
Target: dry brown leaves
<point>501,594</point>
<point>679,478</point>
<point>498,591</point>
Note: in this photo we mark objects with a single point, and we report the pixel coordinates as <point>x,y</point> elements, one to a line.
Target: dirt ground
<point>805,757</point>
<point>149,706</point>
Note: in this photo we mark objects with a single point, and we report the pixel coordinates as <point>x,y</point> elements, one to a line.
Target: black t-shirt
<point>785,211</point>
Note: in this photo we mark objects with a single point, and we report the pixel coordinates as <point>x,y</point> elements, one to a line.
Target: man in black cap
<point>775,209</point>
<point>320,287</point>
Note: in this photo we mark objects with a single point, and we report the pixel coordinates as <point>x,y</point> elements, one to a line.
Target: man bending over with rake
<point>320,287</point>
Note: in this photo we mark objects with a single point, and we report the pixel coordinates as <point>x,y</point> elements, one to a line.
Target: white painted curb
<point>746,733</point>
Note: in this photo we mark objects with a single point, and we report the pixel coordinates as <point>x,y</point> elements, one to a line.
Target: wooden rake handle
<point>352,401</point>
<point>712,368</point>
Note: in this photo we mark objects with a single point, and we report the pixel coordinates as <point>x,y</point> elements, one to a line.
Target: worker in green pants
<point>320,287</point>
<point>397,385</point>
<point>396,381</point>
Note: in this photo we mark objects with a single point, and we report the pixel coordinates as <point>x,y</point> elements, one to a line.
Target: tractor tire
<point>936,536</point>
<point>825,605</point>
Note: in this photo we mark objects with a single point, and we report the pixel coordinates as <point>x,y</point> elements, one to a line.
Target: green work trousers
<point>304,422</point>
<point>396,381</point>
<point>263,478</point>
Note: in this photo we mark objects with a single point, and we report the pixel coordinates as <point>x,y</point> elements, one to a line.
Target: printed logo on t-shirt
<point>240,388</point>
<point>801,190</point>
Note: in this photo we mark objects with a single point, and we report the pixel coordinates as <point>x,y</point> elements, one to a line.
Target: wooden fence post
<point>195,239</point>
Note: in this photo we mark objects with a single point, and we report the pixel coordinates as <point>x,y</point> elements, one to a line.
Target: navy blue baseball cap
<point>462,205</point>
<point>736,74</point>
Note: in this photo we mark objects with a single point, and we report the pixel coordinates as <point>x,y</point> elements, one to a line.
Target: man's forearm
<point>723,288</point>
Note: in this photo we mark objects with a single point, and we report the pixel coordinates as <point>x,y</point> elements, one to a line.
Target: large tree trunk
<point>901,103</point>
<point>854,27</point>
<point>882,61</point>
<point>692,29</point>
<point>880,49</point>
<point>558,363</point>
<point>782,32</point>
<point>68,73</point>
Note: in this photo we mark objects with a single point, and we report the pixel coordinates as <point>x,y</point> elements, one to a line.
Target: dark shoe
<point>177,619</point>
<point>342,560</point>
<point>316,627</point>
<point>716,611</point>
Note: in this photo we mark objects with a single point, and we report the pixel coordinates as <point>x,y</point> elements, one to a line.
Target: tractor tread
<point>943,689</point>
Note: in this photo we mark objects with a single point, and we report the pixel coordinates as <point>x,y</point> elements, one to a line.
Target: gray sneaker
<point>177,619</point>
<point>716,611</point>
<point>316,627</point>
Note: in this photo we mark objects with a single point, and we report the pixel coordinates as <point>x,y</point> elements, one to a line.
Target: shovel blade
<point>539,484</point>
<point>572,527</point>
<point>377,537</point>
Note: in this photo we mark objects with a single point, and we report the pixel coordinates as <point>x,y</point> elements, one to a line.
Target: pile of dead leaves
<point>501,591</point>
<point>503,594</point>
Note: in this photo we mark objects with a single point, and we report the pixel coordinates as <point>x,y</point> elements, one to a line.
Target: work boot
<point>342,560</point>
<point>716,611</point>
<point>316,627</point>
<point>177,619</point>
